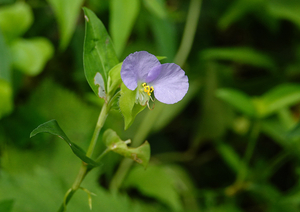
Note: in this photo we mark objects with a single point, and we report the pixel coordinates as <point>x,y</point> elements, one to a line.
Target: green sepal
<point>53,128</point>
<point>98,55</point>
<point>140,154</point>
<point>127,105</point>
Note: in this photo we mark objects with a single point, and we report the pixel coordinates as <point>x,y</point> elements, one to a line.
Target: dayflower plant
<point>142,72</point>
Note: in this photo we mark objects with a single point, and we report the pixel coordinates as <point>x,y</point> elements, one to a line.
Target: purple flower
<point>143,71</point>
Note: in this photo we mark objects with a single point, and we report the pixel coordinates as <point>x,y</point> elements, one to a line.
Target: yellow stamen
<point>147,89</point>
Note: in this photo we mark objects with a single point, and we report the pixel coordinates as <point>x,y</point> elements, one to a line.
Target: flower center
<point>147,88</point>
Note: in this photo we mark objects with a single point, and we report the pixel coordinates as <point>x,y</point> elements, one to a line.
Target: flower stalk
<point>84,169</point>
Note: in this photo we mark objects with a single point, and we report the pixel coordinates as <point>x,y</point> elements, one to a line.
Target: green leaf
<point>66,12</point>
<point>53,128</point>
<point>285,9</point>
<point>140,154</point>
<point>158,182</point>
<point>123,14</point>
<point>239,100</point>
<point>6,205</point>
<point>114,79</point>
<point>6,96</point>
<point>284,95</point>
<point>230,156</point>
<point>5,60</point>
<point>244,55</point>
<point>127,105</point>
<point>238,10</point>
<point>15,20</point>
<point>99,55</point>
<point>31,55</point>
<point>295,132</point>
<point>6,93</point>
<point>156,7</point>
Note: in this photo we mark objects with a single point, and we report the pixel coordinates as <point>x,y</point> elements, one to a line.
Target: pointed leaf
<point>99,55</point>
<point>140,154</point>
<point>284,95</point>
<point>238,100</point>
<point>244,55</point>
<point>127,105</point>
<point>156,7</point>
<point>53,128</point>
<point>66,12</point>
<point>123,14</point>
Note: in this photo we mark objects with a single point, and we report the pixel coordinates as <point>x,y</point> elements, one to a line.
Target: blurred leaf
<point>237,10</point>
<point>165,37</point>
<point>140,154</point>
<point>230,156</point>
<point>5,60</point>
<point>284,95</point>
<point>127,105</point>
<point>99,54</point>
<point>53,128</point>
<point>6,93</point>
<point>159,182</point>
<point>66,12</point>
<point>156,7</point>
<point>238,100</point>
<point>31,55</point>
<point>6,205</point>
<point>114,79</point>
<point>244,55</point>
<point>295,132</point>
<point>15,20</point>
<point>123,14</point>
<point>170,111</point>
<point>285,9</point>
<point>44,191</point>
<point>6,96</point>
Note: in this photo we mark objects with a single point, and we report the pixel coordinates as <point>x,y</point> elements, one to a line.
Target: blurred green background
<point>232,144</point>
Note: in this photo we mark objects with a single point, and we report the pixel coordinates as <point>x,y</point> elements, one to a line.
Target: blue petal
<point>171,84</point>
<point>135,68</point>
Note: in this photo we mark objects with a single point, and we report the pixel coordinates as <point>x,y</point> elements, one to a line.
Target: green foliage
<point>243,55</point>
<point>123,14</point>
<point>6,205</point>
<point>31,55</point>
<point>140,154</point>
<point>53,128</point>
<point>239,100</point>
<point>67,13</point>
<point>99,55</point>
<point>128,106</point>
<point>18,14</point>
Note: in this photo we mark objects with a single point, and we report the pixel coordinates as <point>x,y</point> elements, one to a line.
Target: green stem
<point>84,169</point>
<point>189,32</point>
<point>99,125</point>
<point>249,151</point>
<point>180,58</point>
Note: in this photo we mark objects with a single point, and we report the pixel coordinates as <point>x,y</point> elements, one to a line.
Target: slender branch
<point>84,169</point>
<point>189,32</point>
<point>249,151</point>
<point>99,125</point>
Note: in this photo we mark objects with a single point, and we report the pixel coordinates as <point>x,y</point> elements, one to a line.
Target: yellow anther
<point>148,89</point>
